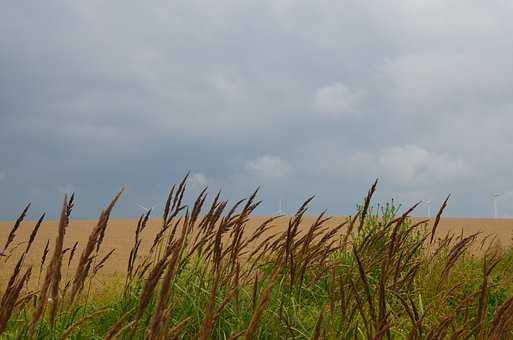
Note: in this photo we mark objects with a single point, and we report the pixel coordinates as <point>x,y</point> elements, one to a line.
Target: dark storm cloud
<point>299,97</point>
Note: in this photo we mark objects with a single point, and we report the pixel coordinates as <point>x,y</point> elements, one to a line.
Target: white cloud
<point>198,179</point>
<point>403,165</point>
<point>336,99</point>
<point>446,17</point>
<point>268,166</point>
<point>441,80</point>
<point>411,164</point>
<point>228,87</point>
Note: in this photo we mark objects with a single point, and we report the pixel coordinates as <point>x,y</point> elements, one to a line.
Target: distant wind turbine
<point>495,209</point>
<point>428,203</point>
<point>143,207</point>
<point>280,211</point>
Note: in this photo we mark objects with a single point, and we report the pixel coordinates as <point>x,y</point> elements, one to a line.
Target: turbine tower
<point>428,203</point>
<point>279,212</point>
<point>495,209</point>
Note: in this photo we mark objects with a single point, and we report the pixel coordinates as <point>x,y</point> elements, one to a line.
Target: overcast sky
<point>300,97</point>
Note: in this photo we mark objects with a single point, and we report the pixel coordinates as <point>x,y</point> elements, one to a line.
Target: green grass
<point>379,276</point>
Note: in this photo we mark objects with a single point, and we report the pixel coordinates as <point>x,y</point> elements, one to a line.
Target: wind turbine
<point>279,212</point>
<point>495,209</point>
<point>428,203</point>
<point>143,207</point>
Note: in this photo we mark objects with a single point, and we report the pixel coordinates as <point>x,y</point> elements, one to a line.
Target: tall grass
<point>377,275</point>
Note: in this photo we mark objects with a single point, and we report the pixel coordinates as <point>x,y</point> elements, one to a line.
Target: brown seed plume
<point>34,233</point>
<point>12,233</point>
<point>93,242</point>
<point>53,274</point>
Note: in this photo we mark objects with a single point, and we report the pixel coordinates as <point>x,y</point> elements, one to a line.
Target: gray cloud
<point>268,167</point>
<point>300,97</point>
<point>336,99</point>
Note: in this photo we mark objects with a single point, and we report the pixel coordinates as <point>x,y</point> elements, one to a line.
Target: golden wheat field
<point>120,233</point>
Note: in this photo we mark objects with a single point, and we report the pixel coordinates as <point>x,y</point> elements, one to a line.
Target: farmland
<point>210,269</point>
<point>119,236</point>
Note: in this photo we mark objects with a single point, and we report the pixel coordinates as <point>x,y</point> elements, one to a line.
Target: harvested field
<point>120,233</point>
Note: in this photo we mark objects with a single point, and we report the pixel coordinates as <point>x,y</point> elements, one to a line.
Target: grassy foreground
<point>378,275</point>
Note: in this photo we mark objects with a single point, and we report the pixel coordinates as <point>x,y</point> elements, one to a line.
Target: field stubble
<point>119,236</point>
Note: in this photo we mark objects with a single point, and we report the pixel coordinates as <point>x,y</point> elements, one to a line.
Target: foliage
<point>377,275</point>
